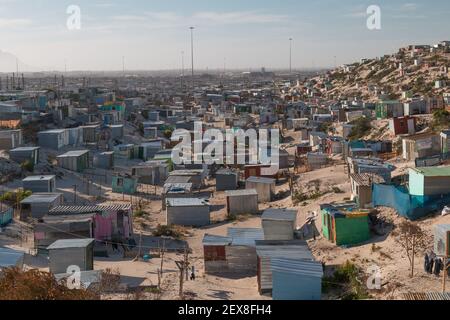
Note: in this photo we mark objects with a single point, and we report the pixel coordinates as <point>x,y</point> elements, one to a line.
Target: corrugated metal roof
<point>42,198</point>
<point>245,236</point>
<point>225,171</point>
<point>433,171</point>
<point>24,149</point>
<point>292,249</point>
<point>39,178</point>
<point>213,240</point>
<point>178,179</point>
<point>245,192</point>
<point>365,179</point>
<point>68,210</point>
<point>420,296</point>
<point>75,153</point>
<point>70,243</point>
<point>280,214</point>
<point>186,172</point>
<point>9,257</point>
<point>177,187</point>
<point>297,266</point>
<point>261,180</point>
<point>186,202</point>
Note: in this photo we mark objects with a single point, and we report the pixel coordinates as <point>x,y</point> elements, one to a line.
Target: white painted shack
<point>279,224</point>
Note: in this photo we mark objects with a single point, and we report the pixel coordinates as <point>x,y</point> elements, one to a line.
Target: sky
<point>244,34</point>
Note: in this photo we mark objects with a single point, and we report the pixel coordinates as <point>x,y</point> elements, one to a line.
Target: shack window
<point>120,182</point>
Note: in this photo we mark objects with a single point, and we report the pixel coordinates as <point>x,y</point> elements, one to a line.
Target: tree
<point>411,238</point>
<point>16,284</point>
<point>361,127</point>
<point>441,119</point>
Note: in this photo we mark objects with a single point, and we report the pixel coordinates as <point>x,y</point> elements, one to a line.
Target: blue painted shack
<point>296,279</point>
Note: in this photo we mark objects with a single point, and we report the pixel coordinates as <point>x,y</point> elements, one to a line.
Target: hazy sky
<point>151,34</point>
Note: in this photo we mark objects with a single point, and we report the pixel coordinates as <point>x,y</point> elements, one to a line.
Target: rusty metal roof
<point>68,210</point>
<point>422,296</point>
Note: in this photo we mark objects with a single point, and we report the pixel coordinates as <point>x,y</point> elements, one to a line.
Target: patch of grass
<point>337,190</point>
<point>176,232</point>
<point>139,213</point>
<point>345,279</point>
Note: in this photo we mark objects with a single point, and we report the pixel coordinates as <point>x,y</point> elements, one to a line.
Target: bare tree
<point>411,238</point>
<point>162,251</point>
<point>183,266</point>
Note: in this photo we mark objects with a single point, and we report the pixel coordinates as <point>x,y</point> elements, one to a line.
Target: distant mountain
<point>8,64</point>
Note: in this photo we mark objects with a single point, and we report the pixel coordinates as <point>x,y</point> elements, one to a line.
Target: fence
<point>408,206</point>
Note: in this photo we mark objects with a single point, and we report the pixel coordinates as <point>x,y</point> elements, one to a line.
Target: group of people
<point>434,264</point>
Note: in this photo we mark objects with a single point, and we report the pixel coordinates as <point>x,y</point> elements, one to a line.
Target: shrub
<point>16,284</point>
<point>172,231</point>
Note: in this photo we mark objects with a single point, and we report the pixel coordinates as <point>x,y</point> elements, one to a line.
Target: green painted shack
<point>345,225</point>
<point>124,184</point>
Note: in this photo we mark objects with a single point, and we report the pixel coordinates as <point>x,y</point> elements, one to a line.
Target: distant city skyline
<point>248,34</point>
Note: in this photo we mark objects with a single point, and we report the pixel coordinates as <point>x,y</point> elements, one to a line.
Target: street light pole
<point>192,54</point>
<point>290,55</point>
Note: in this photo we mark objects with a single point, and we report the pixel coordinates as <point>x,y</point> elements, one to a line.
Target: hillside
<point>407,73</point>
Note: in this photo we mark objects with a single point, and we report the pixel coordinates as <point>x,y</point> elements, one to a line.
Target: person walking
<point>193,273</point>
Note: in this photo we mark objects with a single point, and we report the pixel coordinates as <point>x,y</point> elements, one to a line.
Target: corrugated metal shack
<point>235,253</point>
<point>10,139</point>
<point>296,279</point>
<point>74,160</point>
<point>23,154</point>
<point>102,222</point>
<point>265,187</point>
<point>214,253</point>
<point>71,252</point>
<point>104,160</point>
<point>242,202</point>
<point>267,250</point>
<point>187,212</point>
<point>241,254</point>
<point>196,176</point>
<point>10,258</point>
<point>124,183</point>
<point>279,224</point>
<point>46,184</point>
<point>226,179</point>
<point>176,190</point>
<point>38,204</point>
<point>362,188</point>
<point>53,139</point>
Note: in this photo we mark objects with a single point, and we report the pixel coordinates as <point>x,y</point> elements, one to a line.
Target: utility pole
<point>75,194</point>
<point>290,55</point>
<point>182,70</point>
<point>123,66</point>
<point>192,55</point>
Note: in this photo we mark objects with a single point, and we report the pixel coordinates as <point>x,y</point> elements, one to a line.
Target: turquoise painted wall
<point>129,186</point>
<point>416,183</point>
